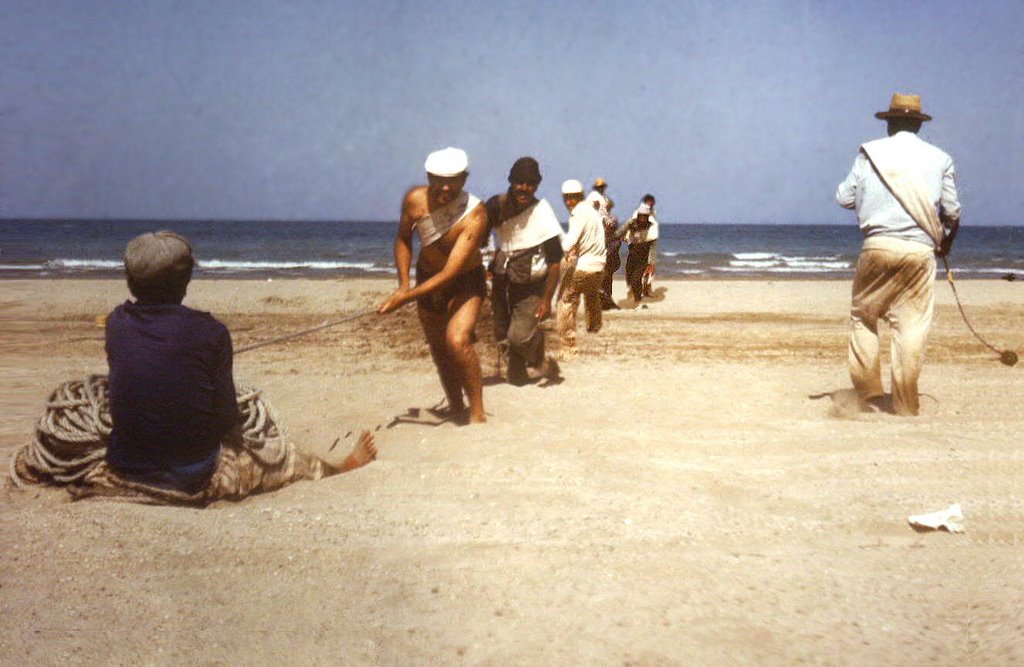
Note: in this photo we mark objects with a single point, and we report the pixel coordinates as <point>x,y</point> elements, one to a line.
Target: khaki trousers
<point>588,286</point>
<point>895,280</point>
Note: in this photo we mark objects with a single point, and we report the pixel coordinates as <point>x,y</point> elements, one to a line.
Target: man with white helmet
<point>584,247</point>
<point>450,280</point>
<point>642,249</point>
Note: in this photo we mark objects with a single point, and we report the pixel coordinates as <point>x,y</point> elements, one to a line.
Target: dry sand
<point>677,500</point>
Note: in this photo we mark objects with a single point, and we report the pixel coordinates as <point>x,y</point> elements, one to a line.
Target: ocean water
<point>246,249</point>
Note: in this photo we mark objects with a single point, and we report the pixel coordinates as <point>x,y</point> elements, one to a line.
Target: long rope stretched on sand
<point>71,436</point>
<point>1006,357</point>
<point>290,336</point>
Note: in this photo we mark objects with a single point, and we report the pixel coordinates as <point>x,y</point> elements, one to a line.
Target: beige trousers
<point>585,285</point>
<point>895,280</point>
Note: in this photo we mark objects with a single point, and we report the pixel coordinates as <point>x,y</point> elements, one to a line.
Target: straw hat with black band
<point>904,106</point>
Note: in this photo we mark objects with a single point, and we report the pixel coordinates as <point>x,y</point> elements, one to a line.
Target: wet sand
<point>676,499</point>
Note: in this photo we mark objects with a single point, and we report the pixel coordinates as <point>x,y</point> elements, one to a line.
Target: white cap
<point>644,209</point>
<point>447,162</point>
<point>572,186</point>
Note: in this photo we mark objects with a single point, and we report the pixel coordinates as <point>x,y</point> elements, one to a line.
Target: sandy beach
<point>677,499</point>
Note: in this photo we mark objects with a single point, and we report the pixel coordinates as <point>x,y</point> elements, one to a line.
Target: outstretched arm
<point>403,251</point>
<point>466,245</point>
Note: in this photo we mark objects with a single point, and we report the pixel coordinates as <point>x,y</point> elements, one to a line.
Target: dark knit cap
<point>525,170</point>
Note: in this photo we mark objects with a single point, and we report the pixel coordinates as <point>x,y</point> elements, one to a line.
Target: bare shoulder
<point>477,216</point>
<point>414,206</point>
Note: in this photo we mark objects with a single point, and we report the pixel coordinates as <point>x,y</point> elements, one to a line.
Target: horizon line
<point>393,222</point>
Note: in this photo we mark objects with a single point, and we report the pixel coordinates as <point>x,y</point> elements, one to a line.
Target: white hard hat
<point>447,162</point>
<point>571,187</point>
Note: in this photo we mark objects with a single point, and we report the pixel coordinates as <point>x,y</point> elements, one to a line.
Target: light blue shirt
<point>879,213</point>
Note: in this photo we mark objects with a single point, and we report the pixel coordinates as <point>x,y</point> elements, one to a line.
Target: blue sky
<point>728,112</point>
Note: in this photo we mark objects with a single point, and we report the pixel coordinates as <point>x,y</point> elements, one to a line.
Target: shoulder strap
<point>907,188</point>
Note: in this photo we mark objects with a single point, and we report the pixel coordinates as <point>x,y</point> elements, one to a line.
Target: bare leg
<point>363,452</point>
<point>435,327</point>
<point>459,341</point>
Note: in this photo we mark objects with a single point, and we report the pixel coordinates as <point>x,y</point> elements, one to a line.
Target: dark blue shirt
<point>172,394</point>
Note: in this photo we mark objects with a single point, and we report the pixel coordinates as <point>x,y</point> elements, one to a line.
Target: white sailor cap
<point>447,162</point>
<point>572,186</point>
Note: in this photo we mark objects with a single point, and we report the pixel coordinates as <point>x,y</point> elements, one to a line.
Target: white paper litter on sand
<point>951,519</point>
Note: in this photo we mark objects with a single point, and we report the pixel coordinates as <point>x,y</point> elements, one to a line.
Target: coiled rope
<point>71,437</point>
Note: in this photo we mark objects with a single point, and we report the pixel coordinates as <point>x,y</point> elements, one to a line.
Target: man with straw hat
<point>904,192</point>
<point>602,202</point>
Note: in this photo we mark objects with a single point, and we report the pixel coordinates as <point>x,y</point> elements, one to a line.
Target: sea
<point>324,249</point>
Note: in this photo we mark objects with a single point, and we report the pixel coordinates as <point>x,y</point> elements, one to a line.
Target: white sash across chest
<point>436,224</point>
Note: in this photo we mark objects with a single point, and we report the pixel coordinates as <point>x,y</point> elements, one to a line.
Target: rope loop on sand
<point>71,437</point>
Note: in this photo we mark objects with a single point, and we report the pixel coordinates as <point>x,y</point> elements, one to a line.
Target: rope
<point>72,435</point>
<point>320,327</point>
<point>1007,357</point>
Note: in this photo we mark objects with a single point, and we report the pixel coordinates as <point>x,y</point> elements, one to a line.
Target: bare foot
<point>363,452</point>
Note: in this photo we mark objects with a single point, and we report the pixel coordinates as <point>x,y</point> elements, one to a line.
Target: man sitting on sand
<point>450,280</point>
<point>177,433</point>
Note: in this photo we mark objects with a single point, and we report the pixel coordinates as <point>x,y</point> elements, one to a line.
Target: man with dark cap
<point>526,270</point>
<point>176,427</point>
<point>904,192</point>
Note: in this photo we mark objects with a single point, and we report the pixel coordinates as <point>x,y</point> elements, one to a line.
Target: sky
<point>325,110</point>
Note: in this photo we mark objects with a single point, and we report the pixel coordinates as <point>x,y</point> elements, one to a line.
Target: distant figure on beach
<point>526,270</point>
<point>652,236</point>
<point>613,260</point>
<point>583,267</point>
<point>177,434</point>
<point>904,192</point>
<point>450,279</point>
<point>642,250</point>
<point>602,203</point>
